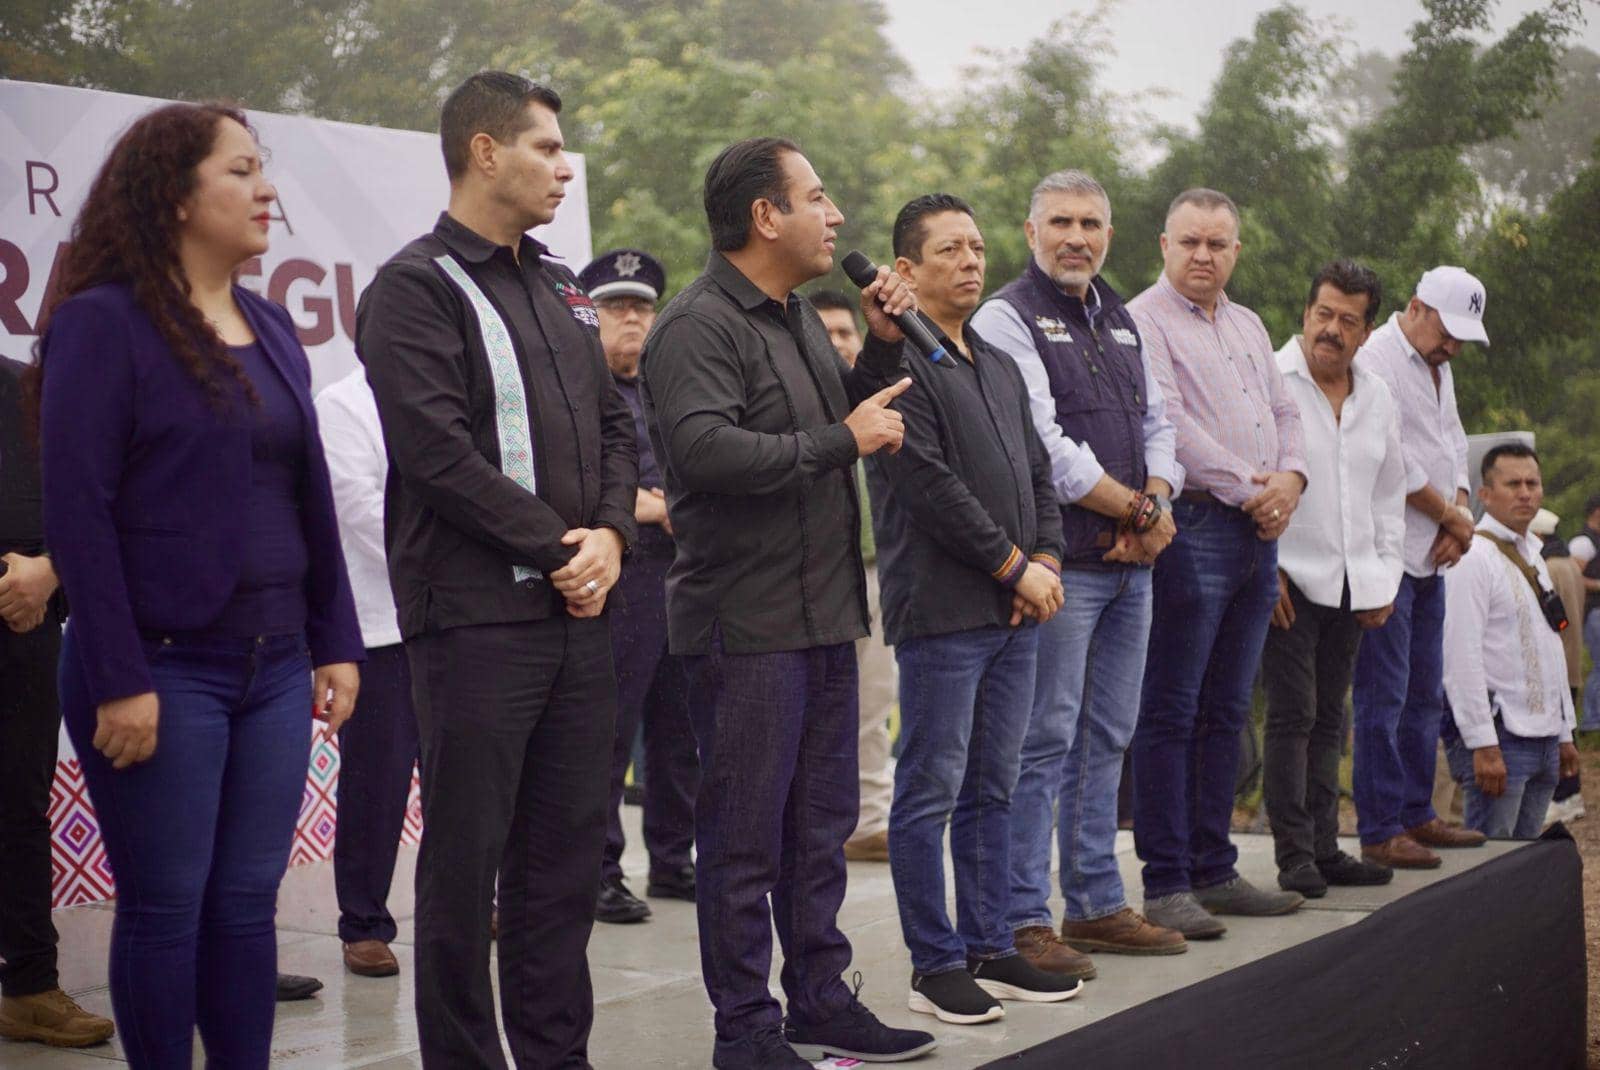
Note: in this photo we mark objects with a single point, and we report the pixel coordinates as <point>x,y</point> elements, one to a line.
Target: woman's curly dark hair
<point>127,231</point>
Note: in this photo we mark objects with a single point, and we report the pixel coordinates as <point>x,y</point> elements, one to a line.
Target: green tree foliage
<point>1460,150</point>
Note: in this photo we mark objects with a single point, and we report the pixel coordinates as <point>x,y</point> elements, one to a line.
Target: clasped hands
<point>1272,507</point>
<point>585,580</point>
<point>25,591</point>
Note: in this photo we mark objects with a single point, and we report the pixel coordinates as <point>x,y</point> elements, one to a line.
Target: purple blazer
<point>144,488</point>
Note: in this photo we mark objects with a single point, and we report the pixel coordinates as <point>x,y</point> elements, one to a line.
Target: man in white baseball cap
<point>1399,687</point>
<point>1457,297</point>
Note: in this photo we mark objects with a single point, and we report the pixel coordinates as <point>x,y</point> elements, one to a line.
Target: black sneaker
<point>765,1049</point>
<point>292,987</point>
<point>954,997</point>
<point>1343,869</point>
<point>672,883</point>
<point>1014,977</point>
<point>1305,879</point>
<point>616,905</point>
<point>855,1033</point>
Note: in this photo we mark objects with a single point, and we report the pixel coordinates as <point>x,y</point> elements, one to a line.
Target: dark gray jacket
<point>967,500</point>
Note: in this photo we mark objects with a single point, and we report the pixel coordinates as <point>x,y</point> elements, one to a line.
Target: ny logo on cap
<point>1475,303</point>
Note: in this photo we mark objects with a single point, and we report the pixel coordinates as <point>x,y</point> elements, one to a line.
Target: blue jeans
<point>1399,702</point>
<point>1590,717</point>
<point>198,839</point>
<point>1085,707</point>
<point>1214,589</point>
<point>1532,769</point>
<point>964,703</point>
<point>778,796</point>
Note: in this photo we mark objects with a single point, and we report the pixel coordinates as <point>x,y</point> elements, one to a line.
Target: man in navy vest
<point>1103,421</point>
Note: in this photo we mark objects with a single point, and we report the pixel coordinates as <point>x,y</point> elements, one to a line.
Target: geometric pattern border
<point>79,872</point>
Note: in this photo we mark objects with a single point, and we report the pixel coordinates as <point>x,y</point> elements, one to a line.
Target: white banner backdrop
<point>348,198</point>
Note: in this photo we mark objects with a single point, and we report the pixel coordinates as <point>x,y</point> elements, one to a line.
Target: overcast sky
<point>1171,45</point>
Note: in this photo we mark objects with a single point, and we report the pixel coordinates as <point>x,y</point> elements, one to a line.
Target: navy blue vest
<point>1096,367</point>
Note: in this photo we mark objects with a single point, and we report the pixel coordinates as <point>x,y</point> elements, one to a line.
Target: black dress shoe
<point>1342,869</point>
<point>291,987</point>
<point>617,906</point>
<point>1306,879</point>
<point>672,883</point>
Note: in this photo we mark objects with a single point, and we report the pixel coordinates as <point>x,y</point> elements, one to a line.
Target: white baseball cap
<point>1458,297</point>
<point>1544,523</point>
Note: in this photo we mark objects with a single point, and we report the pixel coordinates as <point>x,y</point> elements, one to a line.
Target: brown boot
<point>1437,834</point>
<point>1040,945</point>
<point>1127,932</point>
<point>873,847</point>
<point>370,958</point>
<point>52,1018</point>
<point>1400,852</point>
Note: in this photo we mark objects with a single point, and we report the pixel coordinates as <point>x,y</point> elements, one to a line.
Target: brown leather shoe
<point>1438,834</point>
<point>1127,932</point>
<point>873,847</point>
<point>52,1018</point>
<point>1400,852</point>
<point>1040,945</point>
<point>370,958</point>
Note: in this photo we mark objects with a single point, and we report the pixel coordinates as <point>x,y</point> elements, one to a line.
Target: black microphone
<point>864,273</point>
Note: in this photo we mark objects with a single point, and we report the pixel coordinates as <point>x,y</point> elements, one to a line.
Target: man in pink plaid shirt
<point>1240,444</point>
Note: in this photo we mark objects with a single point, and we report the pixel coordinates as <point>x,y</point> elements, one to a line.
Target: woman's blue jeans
<point>198,839</point>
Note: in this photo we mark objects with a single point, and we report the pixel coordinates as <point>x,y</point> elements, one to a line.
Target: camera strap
<point>1529,573</point>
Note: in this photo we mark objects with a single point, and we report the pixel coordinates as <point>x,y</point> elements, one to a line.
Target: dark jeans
<point>964,704</point>
<point>377,750</point>
<point>1399,703</point>
<point>1532,768</point>
<point>1307,669</point>
<point>198,838</point>
<point>778,797</point>
<point>516,722</point>
<point>652,690</point>
<point>30,722</point>
<point>1214,589</point>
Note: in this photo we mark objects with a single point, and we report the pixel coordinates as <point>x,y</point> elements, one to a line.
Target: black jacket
<point>468,543</point>
<point>967,499</point>
<point>745,399</point>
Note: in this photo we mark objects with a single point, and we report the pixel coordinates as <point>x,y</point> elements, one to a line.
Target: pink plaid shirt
<point>1224,393</point>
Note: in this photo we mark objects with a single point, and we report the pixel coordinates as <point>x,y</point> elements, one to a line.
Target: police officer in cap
<point>652,689</point>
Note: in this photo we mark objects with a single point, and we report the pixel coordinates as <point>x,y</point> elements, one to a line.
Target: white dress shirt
<point>358,468</point>
<point>1496,639</point>
<point>1074,469</point>
<point>1350,524</point>
<point>1431,435</point>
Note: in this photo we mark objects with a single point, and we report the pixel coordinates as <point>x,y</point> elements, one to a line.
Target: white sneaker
<point>1567,810</point>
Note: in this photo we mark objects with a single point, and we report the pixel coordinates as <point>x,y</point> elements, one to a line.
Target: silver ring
<point>594,588</point>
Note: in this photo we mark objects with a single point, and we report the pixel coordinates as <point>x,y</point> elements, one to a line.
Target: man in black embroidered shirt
<point>512,474</point>
<point>749,413</point>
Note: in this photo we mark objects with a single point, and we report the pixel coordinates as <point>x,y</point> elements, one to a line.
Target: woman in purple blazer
<point>188,511</point>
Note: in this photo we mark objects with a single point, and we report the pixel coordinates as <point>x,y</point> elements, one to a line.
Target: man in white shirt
<point>1398,693</point>
<point>378,749</point>
<point>1339,566</point>
<point>1505,672</point>
<point>1583,550</point>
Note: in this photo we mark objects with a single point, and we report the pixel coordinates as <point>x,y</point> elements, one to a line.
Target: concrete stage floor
<point>651,1008</point>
